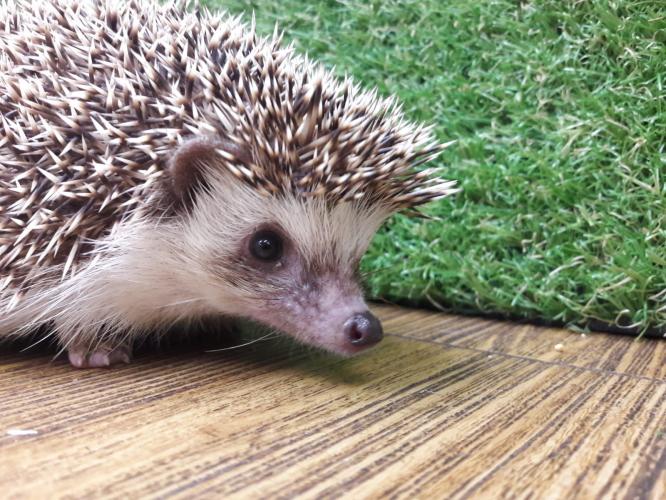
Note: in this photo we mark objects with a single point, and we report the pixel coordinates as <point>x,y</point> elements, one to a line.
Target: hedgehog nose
<point>363,329</point>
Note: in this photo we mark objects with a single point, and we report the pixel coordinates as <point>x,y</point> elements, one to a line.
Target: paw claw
<point>99,358</point>
<point>76,359</point>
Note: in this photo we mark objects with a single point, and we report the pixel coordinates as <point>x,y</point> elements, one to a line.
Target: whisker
<point>178,303</point>
<point>45,337</point>
<point>265,337</point>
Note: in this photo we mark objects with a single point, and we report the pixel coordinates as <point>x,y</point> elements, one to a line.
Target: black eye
<point>266,246</point>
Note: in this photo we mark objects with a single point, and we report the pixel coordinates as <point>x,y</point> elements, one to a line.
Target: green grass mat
<point>559,111</point>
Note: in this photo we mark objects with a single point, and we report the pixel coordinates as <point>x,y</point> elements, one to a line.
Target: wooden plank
<point>606,352</point>
<point>412,418</point>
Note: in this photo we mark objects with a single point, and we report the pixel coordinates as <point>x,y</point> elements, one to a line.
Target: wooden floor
<point>447,407</point>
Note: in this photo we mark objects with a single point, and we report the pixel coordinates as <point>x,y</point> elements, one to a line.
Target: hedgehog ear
<point>186,170</point>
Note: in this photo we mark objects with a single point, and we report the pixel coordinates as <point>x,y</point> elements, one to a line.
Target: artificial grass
<point>559,112</point>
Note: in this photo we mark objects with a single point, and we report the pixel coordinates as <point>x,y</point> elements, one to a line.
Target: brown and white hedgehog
<point>160,165</point>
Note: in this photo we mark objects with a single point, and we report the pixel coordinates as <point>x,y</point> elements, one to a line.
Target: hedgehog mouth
<point>336,348</point>
<point>347,351</point>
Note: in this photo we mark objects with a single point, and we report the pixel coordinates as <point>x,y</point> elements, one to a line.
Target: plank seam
<point>561,364</point>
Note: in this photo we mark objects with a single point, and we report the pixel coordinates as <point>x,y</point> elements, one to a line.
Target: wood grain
<point>447,407</point>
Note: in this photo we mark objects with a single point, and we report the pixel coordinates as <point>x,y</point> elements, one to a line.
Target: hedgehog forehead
<point>327,235</point>
<point>323,233</point>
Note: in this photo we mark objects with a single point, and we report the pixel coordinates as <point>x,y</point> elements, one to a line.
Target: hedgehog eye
<point>266,246</point>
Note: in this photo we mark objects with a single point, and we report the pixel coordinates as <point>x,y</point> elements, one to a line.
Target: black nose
<point>363,329</point>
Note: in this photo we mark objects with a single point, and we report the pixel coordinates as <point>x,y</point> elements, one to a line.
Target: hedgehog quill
<point>161,165</point>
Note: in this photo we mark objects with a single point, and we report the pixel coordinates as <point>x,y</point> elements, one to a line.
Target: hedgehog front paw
<point>101,357</point>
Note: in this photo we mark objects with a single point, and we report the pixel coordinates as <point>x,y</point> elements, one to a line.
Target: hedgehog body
<point>159,166</point>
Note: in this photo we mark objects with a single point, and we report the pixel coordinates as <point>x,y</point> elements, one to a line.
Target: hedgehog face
<point>295,268</point>
<point>286,261</point>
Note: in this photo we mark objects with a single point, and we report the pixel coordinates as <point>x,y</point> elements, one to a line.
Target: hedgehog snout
<point>327,311</point>
<point>363,329</point>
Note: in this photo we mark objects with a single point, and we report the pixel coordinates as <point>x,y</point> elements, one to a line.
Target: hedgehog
<point>163,165</point>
